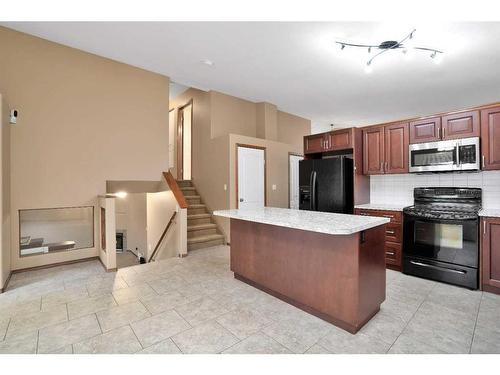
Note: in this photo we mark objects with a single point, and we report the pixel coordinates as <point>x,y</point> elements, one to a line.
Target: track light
<point>368,67</point>
<point>438,57</point>
<point>406,45</point>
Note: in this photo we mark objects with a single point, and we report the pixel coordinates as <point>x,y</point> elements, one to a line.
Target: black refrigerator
<point>326,184</point>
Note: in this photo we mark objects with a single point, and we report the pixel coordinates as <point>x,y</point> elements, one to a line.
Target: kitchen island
<point>330,265</point>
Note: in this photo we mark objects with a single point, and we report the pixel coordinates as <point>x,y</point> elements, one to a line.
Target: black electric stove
<point>441,235</point>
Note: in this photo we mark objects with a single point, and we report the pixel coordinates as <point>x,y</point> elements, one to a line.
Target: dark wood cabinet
<point>396,148</point>
<point>490,138</point>
<point>373,150</point>
<point>332,141</point>
<point>315,143</point>
<point>385,149</point>
<point>452,126</point>
<point>425,130</point>
<point>490,255</point>
<point>393,235</point>
<point>341,139</point>
<point>460,125</point>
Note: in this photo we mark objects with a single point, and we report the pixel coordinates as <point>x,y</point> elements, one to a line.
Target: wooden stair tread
<point>201,226</point>
<point>197,205</point>
<point>205,238</point>
<point>198,216</point>
<point>192,196</point>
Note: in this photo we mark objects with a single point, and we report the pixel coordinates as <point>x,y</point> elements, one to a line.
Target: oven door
<point>434,157</point>
<point>449,241</point>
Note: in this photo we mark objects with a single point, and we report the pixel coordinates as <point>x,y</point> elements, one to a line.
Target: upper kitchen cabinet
<point>385,149</point>
<point>373,150</point>
<point>490,138</point>
<point>426,130</point>
<point>316,143</point>
<point>341,139</point>
<point>460,125</point>
<point>452,126</point>
<point>332,141</point>
<point>396,148</point>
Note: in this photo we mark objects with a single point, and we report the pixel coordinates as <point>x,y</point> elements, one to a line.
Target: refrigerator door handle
<point>313,191</point>
<point>311,194</point>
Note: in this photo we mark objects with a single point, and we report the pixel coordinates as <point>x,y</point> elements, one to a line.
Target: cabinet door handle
<point>390,232</point>
<point>389,253</point>
<point>386,166</point>
<point>381,166</point>
<point>444,133</point>
<point>389,216</point>
<point>439,133</point>
<point>484,228</point>
<point>484,163</point>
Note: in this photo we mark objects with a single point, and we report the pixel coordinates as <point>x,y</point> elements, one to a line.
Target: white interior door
<point>294,180</point>
<point>251,172</point>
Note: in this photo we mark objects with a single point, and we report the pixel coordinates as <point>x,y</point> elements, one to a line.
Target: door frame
<point>176,115</point>
<point>238,145</point>
<point>289,157</point>
<point>180,140</point>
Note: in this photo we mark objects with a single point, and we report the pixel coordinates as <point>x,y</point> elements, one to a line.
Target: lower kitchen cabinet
<point>490,254</point>
<point>393,235</point>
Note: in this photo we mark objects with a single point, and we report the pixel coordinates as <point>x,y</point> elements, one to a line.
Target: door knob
<point>241,199</point>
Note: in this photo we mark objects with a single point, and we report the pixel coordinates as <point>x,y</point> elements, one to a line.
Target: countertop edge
<point>381,207</point>
<point>339,232</point>
<point>489,212</point>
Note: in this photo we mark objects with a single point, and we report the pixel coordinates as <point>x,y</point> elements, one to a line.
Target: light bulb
<point>438,57</point>
<point>121,194</point>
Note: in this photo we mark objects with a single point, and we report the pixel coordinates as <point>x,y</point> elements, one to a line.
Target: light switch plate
<point>274,187</point>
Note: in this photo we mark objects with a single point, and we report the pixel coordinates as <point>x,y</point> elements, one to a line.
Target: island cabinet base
<point>338,278</point>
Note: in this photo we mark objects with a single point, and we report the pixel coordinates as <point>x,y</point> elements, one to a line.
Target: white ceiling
<point>298,67</point>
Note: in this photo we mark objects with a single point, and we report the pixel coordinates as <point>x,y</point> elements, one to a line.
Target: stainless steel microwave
<point>454,155</point>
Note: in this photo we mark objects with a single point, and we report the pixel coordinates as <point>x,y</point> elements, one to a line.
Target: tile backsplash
<point>398,189</point>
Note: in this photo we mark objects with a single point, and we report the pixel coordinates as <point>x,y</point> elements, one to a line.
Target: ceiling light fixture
<point>207,62</point>
<point>406,44</point>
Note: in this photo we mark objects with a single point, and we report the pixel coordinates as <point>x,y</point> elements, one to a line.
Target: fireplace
<point>121,240</point>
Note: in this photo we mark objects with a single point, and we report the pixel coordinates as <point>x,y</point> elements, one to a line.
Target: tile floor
<point>194,305</point>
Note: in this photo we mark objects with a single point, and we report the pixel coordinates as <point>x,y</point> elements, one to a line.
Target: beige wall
<point>267,121</point>
<point>131,216</point>
<point>107,254</point>
<point>83,120</point>
<point>160,207</point>
<point>291,129</point>
<point>5,263</point>
<point>232,115</point>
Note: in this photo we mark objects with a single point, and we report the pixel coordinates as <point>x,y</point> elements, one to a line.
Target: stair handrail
<point>172,184</point>
<point>157,247</point>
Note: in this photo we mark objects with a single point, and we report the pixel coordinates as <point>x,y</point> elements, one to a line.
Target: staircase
<point>202,230</point>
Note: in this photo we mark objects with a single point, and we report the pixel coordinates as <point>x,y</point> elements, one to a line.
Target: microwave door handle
<point>313,192</point>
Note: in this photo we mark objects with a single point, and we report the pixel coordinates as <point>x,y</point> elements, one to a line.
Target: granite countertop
<point>490,212</point>
<point>383,206</point>
<point>313,221</point>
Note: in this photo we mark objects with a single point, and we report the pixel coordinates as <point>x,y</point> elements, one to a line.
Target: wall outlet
<point>274,187</point>
<point>225,187</point>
